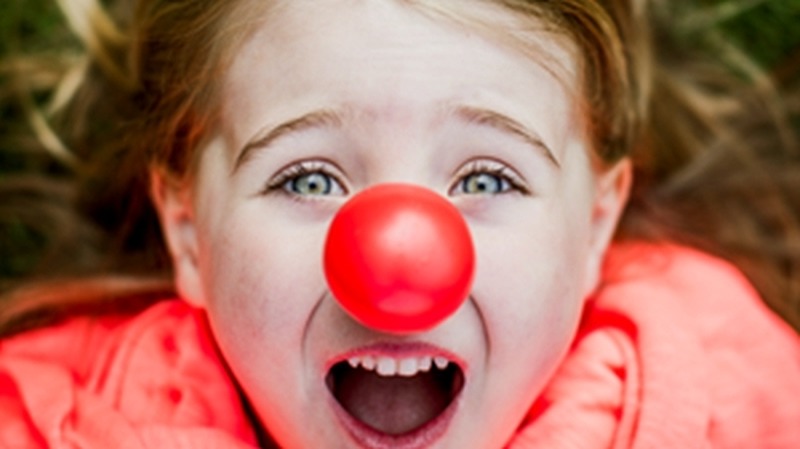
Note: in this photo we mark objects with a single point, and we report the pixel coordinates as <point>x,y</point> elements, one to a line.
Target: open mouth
<point>395,397</point>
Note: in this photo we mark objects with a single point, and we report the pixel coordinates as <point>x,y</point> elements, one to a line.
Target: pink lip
<point>420,438</point>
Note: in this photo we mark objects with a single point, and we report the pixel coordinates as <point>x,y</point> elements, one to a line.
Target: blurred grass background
<point>769,30</point>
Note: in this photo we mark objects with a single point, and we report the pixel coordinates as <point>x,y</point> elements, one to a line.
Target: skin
<point>406,99</point>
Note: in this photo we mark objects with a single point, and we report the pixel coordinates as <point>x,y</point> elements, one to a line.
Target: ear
<point>612,188</point>
<point>173,202</point>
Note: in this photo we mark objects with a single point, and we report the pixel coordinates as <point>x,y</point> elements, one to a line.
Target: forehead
<point>378,57</point>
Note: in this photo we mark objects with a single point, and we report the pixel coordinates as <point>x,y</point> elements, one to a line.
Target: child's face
<point>328,98</point>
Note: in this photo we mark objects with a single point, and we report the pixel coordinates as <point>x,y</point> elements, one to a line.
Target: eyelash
<point>294,172</point>
<point>492,168</point>
<point>476,167</point>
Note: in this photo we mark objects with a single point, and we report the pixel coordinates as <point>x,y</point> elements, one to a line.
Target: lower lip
<point>420,438</point>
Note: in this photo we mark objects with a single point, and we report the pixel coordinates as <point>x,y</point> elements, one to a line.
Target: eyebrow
<point>505,124</point>
<point>316,119</point>
<point>331,118</point>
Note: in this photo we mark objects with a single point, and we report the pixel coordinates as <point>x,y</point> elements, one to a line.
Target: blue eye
<point>484,184</point>
<point>316,183</point>
<point>488,177</point>
<point>306,179</point>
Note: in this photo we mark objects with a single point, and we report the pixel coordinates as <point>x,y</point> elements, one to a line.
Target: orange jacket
<point>676,351</point>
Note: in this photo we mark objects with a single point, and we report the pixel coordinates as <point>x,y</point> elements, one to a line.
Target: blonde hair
<point>716,161</point>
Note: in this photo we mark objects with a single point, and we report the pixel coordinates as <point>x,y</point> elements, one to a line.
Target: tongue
<point>392,405</point>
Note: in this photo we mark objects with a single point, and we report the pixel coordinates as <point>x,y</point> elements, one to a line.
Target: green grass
<point>32,26</point>
<point>769,31</point>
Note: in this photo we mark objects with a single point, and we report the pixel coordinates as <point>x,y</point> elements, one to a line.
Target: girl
<point>549,126</point>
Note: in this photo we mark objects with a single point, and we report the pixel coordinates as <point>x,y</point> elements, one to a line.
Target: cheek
<point>530,269</point>
<point>263,277</point>
<point>529,290</point>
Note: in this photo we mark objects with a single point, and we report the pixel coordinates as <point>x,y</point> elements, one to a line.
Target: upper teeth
<point>389,366</point>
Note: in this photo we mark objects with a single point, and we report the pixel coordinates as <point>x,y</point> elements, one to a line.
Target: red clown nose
<point>399,258</point>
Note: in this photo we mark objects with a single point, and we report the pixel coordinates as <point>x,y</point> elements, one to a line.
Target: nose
<point>399,258</point>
